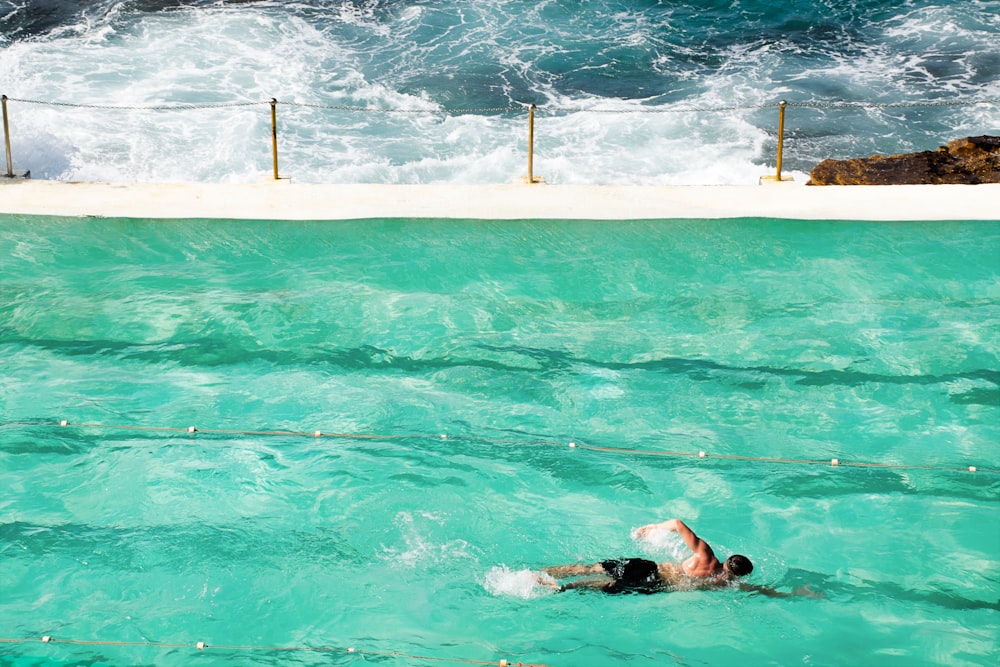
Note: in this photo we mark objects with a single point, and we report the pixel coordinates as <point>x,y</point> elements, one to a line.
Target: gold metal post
<point>531,144</point>
<point>274,135</point>
<point>781,136</point>
<point>6,139</point>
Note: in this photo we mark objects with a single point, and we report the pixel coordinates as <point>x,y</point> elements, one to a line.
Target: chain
<point>123,107</point>
<point>891,105</point>
<point>521,107</point>
<point>738,107</point>
<point>427,111</point>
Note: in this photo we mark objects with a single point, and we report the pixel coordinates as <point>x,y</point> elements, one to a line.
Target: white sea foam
<point>382,56</point>
<point>212,56</point>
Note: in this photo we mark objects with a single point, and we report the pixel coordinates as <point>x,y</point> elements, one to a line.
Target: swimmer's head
<point>738,566</point>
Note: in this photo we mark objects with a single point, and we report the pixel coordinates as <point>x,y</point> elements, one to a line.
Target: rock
<point>966,161</point>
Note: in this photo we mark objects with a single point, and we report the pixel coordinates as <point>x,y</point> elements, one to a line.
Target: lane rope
<point>194,430</point>
<point>204,646</point>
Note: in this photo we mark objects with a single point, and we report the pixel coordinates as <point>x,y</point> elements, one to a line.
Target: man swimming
<point>638,575</point>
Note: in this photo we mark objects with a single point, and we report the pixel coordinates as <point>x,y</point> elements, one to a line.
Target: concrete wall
<point>283,200</point>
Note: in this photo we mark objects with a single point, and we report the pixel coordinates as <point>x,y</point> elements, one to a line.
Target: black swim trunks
<point>632,575</point>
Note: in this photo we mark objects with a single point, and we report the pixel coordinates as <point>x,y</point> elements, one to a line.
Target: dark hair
<point>739,565</point>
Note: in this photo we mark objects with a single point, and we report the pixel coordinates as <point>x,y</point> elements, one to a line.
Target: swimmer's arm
<point>767,591</point>
<point>669,524</point>
<point>764,590</point>
<point>694,543</point>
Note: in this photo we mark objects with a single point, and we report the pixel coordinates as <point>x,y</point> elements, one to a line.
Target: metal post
<point>6,139</point>
<point>531,143</point>
<point>274,135</point>
<point>781,136</point>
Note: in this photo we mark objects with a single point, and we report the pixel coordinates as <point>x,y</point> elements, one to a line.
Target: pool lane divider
<point>194,430</point>
<point>832,462</point>
<point>203,646</point>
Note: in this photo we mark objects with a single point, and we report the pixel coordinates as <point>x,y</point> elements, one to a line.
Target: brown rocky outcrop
<point>966,161</point>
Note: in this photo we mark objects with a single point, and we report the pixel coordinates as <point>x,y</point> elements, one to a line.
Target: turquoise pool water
<point>865,342</point>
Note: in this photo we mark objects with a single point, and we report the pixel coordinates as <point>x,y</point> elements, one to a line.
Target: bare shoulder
<point>702,564</point>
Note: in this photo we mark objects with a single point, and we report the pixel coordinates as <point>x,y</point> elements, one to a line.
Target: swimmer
<point>638,575</point>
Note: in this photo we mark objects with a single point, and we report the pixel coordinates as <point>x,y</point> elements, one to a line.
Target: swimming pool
<point>447,366</point>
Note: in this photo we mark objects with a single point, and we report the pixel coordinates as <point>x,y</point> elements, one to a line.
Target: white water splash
<point>525,583</point>
<point>663,544</point>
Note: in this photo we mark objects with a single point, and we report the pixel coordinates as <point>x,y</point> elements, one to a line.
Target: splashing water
<point>523,583</point>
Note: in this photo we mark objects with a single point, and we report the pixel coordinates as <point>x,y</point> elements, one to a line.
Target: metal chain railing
<point>663,109</point>
<point>136,107</point>
<point>892,105</point>
<point>441,110</point>
<point>531,110</point>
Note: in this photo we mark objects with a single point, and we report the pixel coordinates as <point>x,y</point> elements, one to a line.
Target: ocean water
<point>451,363</point>
<point>611,80</point>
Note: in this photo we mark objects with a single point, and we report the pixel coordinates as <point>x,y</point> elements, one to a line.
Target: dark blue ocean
<point>424,91</point>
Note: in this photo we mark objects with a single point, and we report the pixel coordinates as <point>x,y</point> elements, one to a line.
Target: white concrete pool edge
<point>283,200</point>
